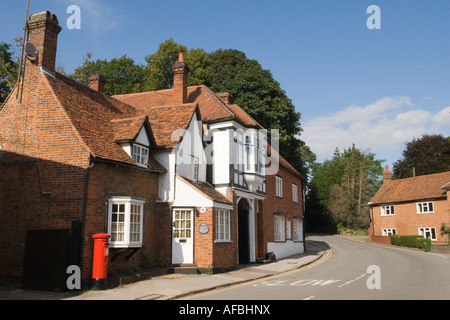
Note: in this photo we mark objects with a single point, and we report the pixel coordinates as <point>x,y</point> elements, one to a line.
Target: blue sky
<point>375,88</point>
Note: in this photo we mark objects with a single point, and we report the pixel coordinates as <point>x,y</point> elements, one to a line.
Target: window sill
<point>223,241</point>
<point>124,246</point>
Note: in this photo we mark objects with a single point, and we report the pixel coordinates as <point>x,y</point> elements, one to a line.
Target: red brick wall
<point>406,220</point>
<point>284,205</point>
<point>106,180</point>
<point>42,169</point>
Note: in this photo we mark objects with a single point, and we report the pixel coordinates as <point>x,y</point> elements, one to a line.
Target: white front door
<point>183,236</point>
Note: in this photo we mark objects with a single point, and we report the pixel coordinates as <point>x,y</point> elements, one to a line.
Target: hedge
<point>411,241</point>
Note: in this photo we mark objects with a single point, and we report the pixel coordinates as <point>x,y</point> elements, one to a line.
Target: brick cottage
<point>175,177</point>
<point>412,206</point>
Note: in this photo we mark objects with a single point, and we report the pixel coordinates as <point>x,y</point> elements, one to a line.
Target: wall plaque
<point>203,228</point>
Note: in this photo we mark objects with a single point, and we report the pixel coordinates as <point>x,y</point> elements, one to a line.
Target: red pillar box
<point>100,263</point>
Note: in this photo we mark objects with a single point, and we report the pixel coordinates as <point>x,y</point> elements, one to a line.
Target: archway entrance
<point>243,231</point>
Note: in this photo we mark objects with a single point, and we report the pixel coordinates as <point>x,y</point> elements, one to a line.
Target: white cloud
<point>382,127</point>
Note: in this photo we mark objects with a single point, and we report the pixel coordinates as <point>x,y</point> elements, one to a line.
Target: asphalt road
<point>353,270</point>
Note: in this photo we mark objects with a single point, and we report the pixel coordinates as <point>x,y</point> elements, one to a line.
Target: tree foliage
<point>9,65</point>
<point>342,187</point>
<point>122,74</point>
<point>426,155</point>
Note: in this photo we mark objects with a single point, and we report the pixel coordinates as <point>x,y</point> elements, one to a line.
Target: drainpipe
<point>83,218</point>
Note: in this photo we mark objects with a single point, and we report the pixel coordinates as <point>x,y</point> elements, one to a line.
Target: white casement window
<point>140,155</point>
<point>193,168</point>
<point>279,228</point>
<point>222,225</point>
<point>388,231</point>
<point>125,222</point>
<point>294,193</point>
<point>297,223</point>
<point>429,233</point>
<point>425,207</point>
<point>278,186</point>
<point>254,153</point>
<point>288,228</point>
<point>387,210</point>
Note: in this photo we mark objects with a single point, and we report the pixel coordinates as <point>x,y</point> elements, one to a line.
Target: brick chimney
<point>225,97</point>
<point>97,82</point>
<point>387,176</point>
<point>180,77</point>
<point>43,29</point>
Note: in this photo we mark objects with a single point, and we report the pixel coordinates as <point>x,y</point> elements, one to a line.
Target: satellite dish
<point>30,50</point>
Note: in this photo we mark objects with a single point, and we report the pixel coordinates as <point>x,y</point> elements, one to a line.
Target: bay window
<point>125,222</point>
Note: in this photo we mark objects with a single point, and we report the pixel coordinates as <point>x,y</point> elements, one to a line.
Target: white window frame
<point>431,230</point>
<point>279,227</point>
<point>222,226</point>
<point>424,207</point>
<point>193,168</point>
<point>388,210</point>
<point>279,186</point>
<point>388,231</point>
<point>294,193</point>
<point>140,154</point>
<point>131,228</point>
<point>297,223</point>
<point>288,228</point>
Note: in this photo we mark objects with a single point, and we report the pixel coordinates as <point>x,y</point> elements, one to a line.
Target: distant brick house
<point>412,206</point>
<point>75,162</point>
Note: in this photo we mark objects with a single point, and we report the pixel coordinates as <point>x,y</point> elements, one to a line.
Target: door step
<point>184,269</point>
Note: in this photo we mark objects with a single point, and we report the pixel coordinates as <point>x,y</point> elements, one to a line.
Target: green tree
<point>426,155</point>
<point>342,187</point>
<point>122,74</point>
<point>348,200</point>
<point>8,70</point>
<point>159,65</point>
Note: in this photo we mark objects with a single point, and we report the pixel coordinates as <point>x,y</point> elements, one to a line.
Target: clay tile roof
<point>207,190</point>
<point>127,129</point>
<point>91,113</point>
<point>243,116</point>
<point>211,107</point>
<point>413,189</point>
<point>166,119</point>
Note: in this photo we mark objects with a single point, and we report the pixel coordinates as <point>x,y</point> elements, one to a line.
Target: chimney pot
<point>181,57</point>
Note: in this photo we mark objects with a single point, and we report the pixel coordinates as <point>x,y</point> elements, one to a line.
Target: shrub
<point>411,241</point>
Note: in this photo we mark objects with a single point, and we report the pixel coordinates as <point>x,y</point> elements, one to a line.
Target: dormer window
<point>135,137</point>
<point>140,155</point>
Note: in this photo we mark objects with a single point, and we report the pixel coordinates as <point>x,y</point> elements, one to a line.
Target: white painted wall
<point>285,249</point>
<point>176,161</point>
<point>221,156</point>
<point>142,137</point>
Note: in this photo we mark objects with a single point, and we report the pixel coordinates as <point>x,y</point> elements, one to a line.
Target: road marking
<point>323,258</point>
<point>350,281</point>
<point>309,298</point>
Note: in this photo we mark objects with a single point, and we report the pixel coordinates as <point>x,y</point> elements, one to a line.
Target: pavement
<point>177,286</point>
